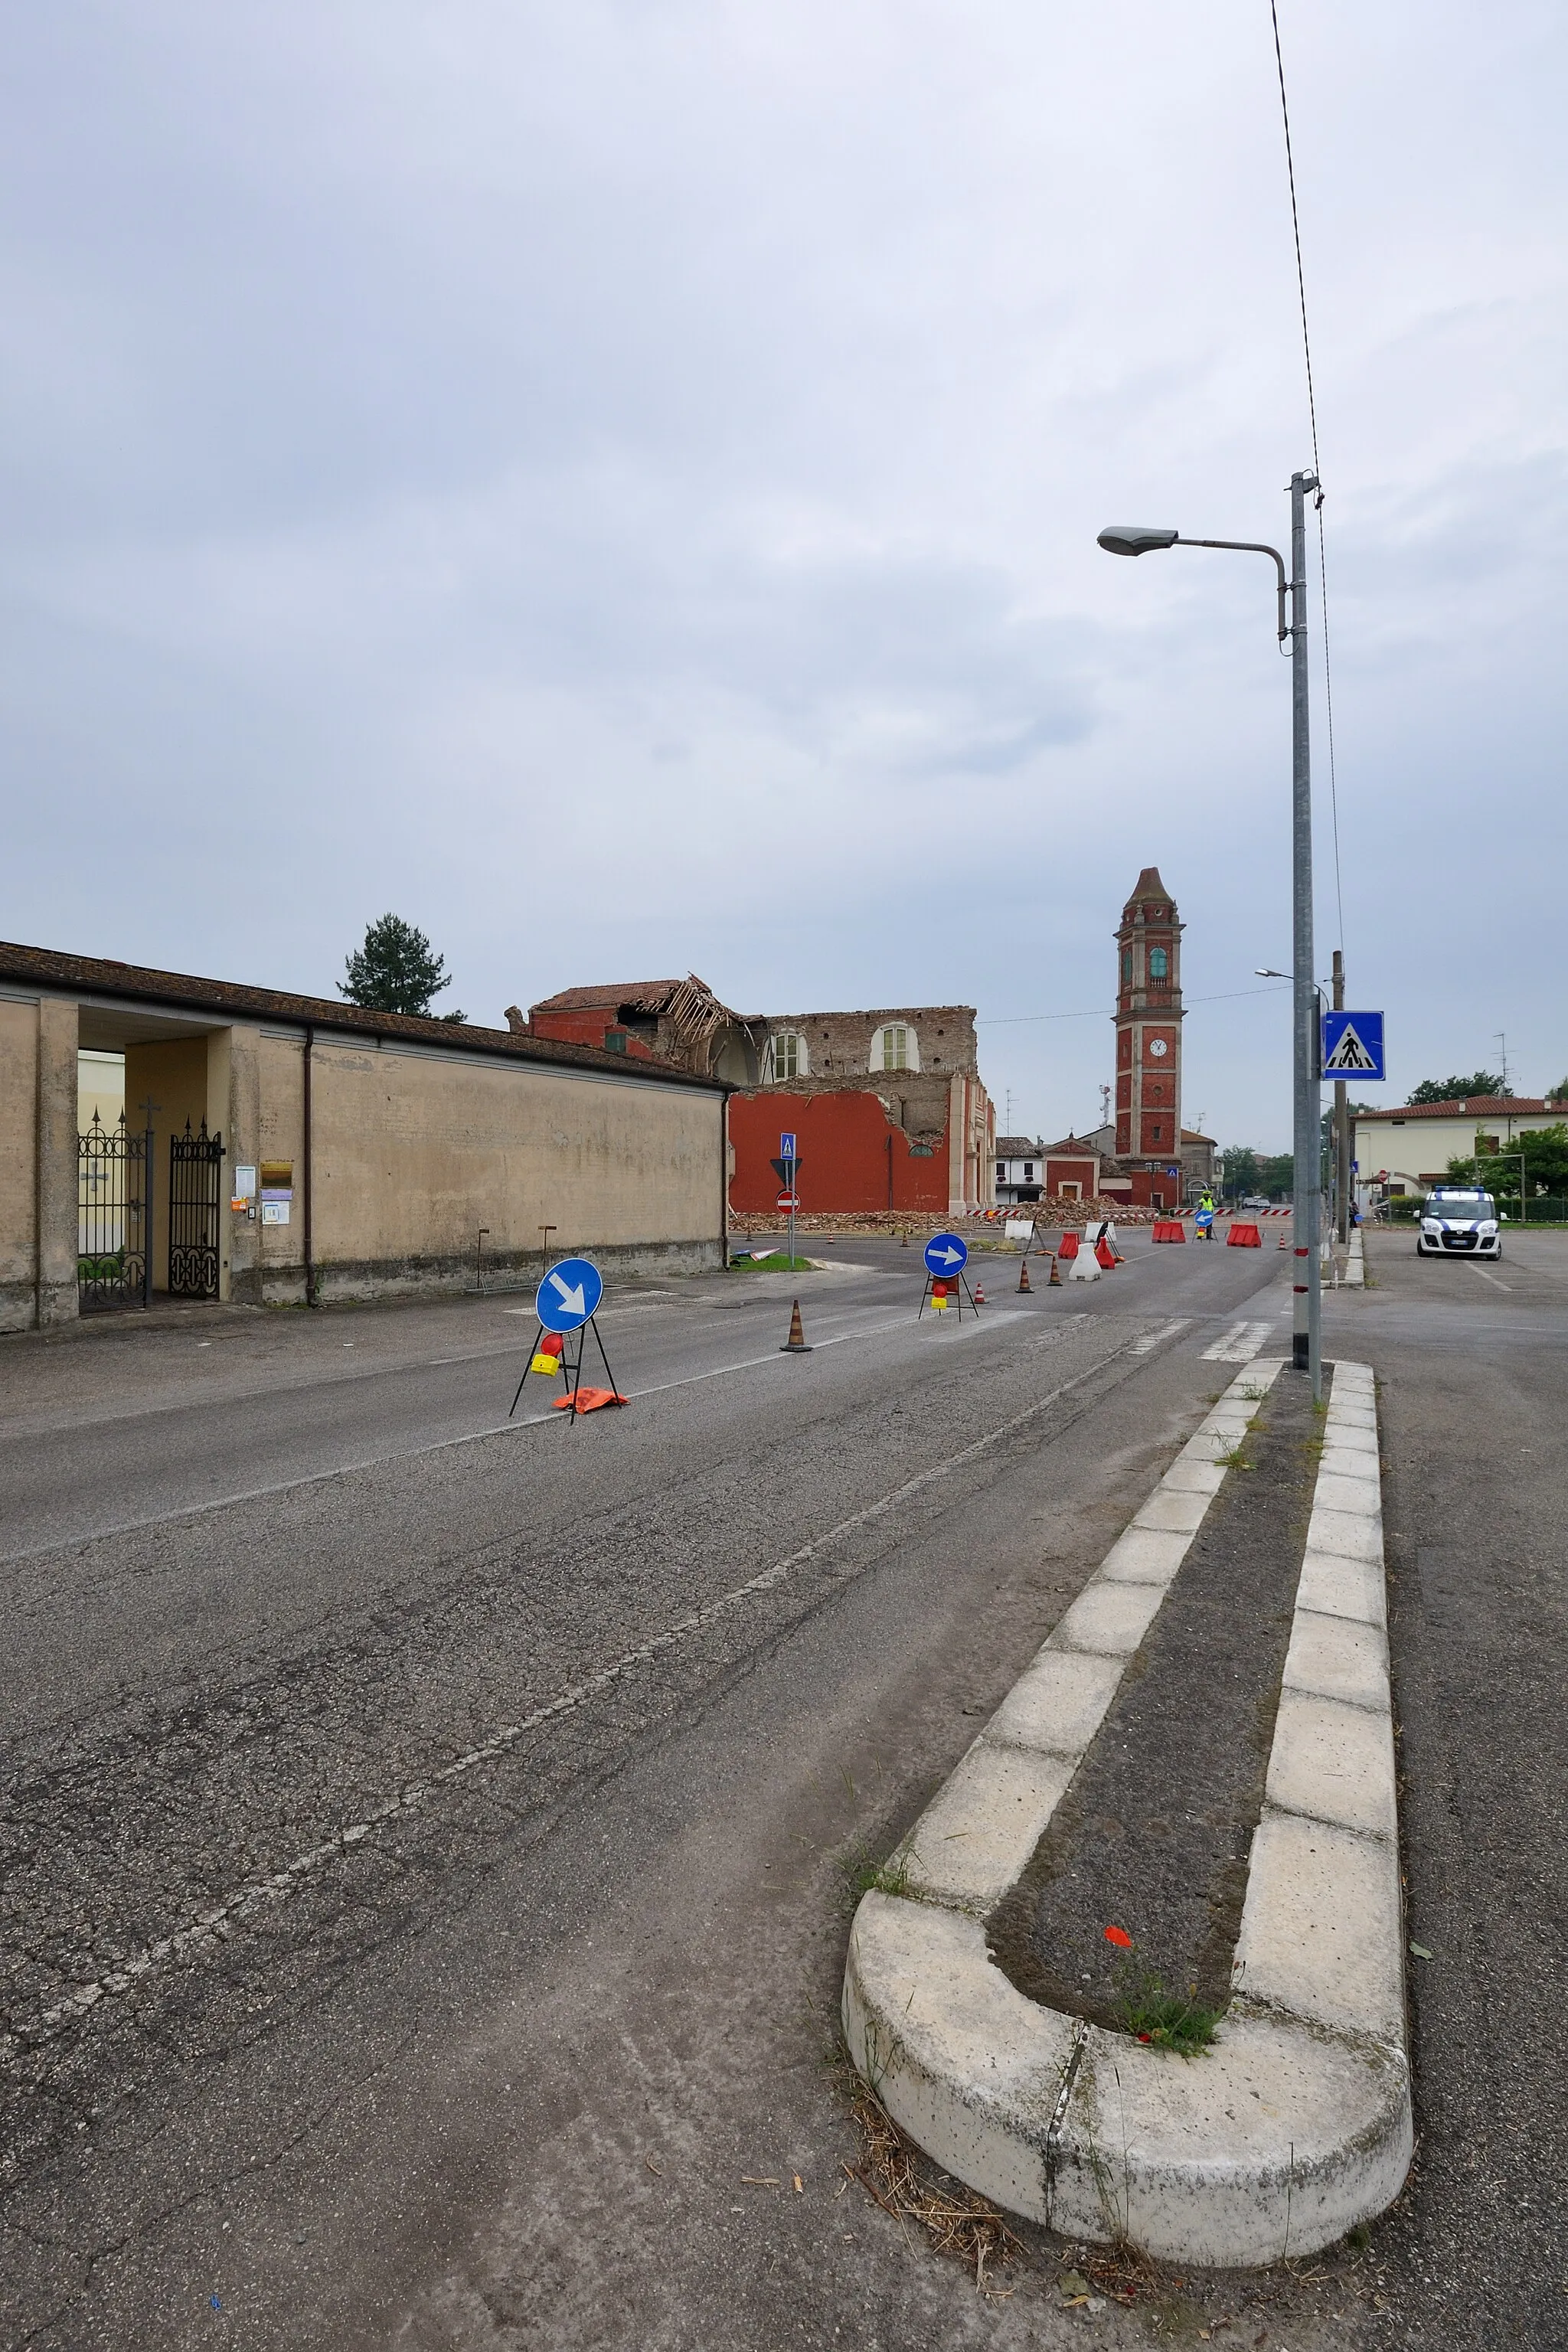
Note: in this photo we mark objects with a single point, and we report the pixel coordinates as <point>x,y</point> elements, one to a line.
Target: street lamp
<point>1136,539</point>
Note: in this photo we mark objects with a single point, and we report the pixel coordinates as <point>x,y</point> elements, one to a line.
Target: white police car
<point>1456,1221</point>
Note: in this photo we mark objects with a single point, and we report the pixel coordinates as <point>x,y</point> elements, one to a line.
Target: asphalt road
<point>424,1839</point>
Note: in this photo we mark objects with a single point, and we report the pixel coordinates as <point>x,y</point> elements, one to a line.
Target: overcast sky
<point>617,486</point>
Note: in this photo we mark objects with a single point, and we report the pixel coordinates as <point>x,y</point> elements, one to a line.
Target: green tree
<point>396,971</point>
<point>1479,1082</point>
<point>1559,1092</point>
<point>1545,1156</point>
<point>1240,1171</point>
<point>1277,1174</point>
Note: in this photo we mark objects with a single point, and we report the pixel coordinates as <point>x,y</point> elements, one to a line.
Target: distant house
<point>1020,1168</point>
<point>1198,1157</point>
<point>1073,1170</point>
<point>1067,1170</point>
<point>1407,1151</point>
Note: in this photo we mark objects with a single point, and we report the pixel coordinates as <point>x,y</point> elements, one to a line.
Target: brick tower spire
<point>1148,1038</point>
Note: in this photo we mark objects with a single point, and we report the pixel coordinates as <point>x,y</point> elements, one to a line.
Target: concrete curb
<point>1355,1261</point>
<point>1297,2123</point>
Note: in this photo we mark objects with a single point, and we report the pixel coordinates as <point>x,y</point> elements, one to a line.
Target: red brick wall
<point>585,1026</point>
<point>1064,1169</point>
<point>850,1153</point>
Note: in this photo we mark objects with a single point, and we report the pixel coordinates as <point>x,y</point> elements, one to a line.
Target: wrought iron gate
<point>195,1168</point>
<point>113,1266</point>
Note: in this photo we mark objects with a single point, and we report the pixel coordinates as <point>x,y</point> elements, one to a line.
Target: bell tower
<point>1149,1028</point>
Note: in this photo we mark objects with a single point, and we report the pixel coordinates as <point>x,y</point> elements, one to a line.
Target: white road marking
<point>195,1510</point>
<point>1238,1345</point>
<point>1489,1277</point>
<point>218,1919</point>
<point>1152,1339</point>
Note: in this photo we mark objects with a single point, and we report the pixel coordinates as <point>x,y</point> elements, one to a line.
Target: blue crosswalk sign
<point>569,1293</point>
<point>786,1147</point>
<point>1352,1046</point>
<point>945,1254</point>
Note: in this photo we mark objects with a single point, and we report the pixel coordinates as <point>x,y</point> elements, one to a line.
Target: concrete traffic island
<point>1295,2123</point>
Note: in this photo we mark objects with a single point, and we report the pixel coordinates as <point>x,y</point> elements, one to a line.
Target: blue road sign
<point>569,1293</point>
<point>1352,1046</point>
<point>786,1147</point>
<point>945,1254</point>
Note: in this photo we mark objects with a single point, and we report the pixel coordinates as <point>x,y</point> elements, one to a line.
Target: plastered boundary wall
<point>1297,2123</point>
<point>414,1148</point>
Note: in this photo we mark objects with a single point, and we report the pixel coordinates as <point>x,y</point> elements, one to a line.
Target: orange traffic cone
<point>795,1344</point>
<point>1056,1281</point>
<point>980,1293</point>
<point>1024,1285</point>
<point>1284,1243</point>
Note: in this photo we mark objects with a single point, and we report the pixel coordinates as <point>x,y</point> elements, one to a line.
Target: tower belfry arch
<point>1149,1016</point>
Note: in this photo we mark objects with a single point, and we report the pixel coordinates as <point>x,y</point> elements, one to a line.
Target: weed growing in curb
<point>1234,1457</point>
<point>864,1874</point>
<point>1166,2020</point>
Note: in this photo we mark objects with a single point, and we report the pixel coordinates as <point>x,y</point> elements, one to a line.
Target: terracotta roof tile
<point>98,976</point>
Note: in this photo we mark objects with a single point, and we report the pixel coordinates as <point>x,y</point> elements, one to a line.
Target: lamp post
<point>1129,538</point>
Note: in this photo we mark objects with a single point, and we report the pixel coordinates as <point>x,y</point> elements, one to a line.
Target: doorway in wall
<point>195,1178</point>
<point>114,1205</point>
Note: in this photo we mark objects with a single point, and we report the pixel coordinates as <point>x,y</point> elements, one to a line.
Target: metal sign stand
<point>571,1369</point>
<point>788,1167</point>
<point>959,1295</point>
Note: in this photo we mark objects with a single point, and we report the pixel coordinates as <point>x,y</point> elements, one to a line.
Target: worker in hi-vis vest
<point>1204,1220</point>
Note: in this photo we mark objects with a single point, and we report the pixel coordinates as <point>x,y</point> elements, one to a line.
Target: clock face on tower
<point>1158,1047</point>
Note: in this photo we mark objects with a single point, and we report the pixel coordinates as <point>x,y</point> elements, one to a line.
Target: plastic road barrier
<point>1169,1229</point>
<point>1244,1237</point>
<point>1068,1247</point>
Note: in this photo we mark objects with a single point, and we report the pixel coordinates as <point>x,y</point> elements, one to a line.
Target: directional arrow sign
<point>569,1293</point>
<point>945,1254</point>
<point>1352,1046</point>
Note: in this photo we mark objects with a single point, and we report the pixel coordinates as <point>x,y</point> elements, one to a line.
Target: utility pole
<point>1342,1123</point>
<point>1307,1319</point>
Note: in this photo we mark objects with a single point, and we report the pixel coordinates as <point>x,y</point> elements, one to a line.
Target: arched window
<point>1126,965</point>
<point>1159,963</point>
<point>894,1047</point>
<point>783,1057</point>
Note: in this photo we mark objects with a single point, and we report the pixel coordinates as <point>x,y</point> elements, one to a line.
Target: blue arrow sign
<point>1352,1046</point>
<point>569,1293</point>
<point>945,1254</point>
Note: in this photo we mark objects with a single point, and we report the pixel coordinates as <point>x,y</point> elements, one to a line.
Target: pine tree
<point>396,971</point>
